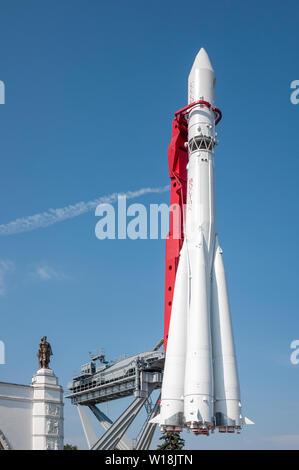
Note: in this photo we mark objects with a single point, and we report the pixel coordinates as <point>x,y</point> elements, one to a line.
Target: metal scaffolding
<point>100,381</point>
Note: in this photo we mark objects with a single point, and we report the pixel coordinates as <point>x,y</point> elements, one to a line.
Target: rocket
<point>200,389</point>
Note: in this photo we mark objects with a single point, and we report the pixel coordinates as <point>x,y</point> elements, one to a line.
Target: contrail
<point>52,216</point>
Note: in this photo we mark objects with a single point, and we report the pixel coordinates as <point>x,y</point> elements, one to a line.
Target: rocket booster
<point>200,389</point>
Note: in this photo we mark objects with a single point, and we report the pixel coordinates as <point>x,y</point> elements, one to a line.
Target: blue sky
<point>91,88</point>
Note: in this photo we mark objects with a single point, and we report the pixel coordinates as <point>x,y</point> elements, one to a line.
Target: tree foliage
<point>69,447</point>
<point>172,441</point>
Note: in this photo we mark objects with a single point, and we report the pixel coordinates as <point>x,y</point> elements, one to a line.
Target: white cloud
<point>52,216</point>
<point>46,273</point>
<point>5,267</point>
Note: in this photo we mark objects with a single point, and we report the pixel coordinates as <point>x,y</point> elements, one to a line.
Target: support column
<point>47,411</point>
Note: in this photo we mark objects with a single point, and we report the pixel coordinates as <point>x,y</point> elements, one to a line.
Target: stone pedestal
<point>47,411</point>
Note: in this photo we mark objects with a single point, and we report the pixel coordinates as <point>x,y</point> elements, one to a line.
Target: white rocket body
<point>200,388</point>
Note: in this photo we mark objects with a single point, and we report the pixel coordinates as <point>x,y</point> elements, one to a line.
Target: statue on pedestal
<point>44,353</point>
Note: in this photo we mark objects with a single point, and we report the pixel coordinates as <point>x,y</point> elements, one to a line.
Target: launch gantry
<point>100,382</point>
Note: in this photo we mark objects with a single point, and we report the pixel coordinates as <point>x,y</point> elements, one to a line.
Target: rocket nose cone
<point>202,61</point>
<point>201,80</point>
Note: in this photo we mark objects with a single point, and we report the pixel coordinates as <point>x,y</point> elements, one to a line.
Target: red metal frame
<point>177,162</point>
<point>186,110</point>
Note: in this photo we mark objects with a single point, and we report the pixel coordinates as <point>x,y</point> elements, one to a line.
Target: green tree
<point>69,447</point>
<point>172,441</point>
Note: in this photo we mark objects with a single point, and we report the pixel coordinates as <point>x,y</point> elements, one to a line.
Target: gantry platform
<point>100,381</point>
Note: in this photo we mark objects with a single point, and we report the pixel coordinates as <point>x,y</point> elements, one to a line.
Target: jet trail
<point>52,216</point>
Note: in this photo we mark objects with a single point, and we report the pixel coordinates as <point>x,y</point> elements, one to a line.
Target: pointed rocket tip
<point>202,60</point>
<point>201,80</point>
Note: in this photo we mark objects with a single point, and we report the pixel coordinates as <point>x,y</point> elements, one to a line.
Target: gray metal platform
<point>100,381</point>
<point>131,376</point>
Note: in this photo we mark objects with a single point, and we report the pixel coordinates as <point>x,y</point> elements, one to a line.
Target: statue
<point>44,353</point>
